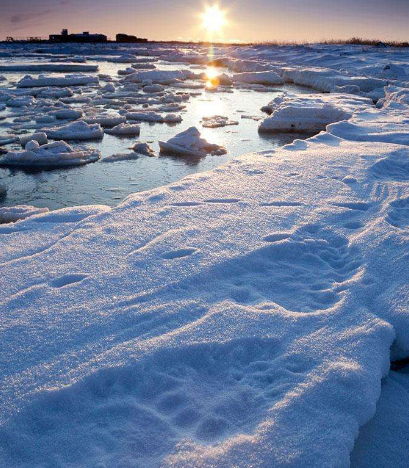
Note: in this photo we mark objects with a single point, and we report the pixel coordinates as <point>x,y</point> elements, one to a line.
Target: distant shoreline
<point>352,41</point>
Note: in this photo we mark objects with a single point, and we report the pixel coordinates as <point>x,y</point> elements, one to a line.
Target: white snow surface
<point>244,317</point>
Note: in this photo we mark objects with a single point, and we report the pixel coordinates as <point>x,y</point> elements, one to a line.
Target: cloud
<point>21,20</point>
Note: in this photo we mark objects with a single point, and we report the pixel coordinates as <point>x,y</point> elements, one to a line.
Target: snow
<point>56,154</point>
<point>78,130</point>
<point>241,317</point>
<point>15,213</point>
<point>190,143</point>
<point>382,441</point>
<point>68,80</point>
<point>310,112</point>
<point>264,78</point>
<point>326,80</point>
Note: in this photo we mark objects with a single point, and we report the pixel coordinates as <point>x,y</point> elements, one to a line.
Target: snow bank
<point>190,143</point>
<point>79,130</point>
<point>328,81</point>
<point>263,78</point>
<point>11,214</point>
<point>310,112</point>
<point>381,442</point>
<point>68,80</point>
<point>56,154</point>
<point>375,126</point>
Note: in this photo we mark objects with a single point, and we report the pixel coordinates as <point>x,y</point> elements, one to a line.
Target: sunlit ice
<point>213,19</point>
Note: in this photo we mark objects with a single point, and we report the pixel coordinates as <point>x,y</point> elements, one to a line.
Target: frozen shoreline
<point>240,315</point>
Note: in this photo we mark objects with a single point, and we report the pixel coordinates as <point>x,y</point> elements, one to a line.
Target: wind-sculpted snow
<point>244,317</point>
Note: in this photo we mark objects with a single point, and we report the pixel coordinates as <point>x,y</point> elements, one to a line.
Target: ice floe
<point>124,129</point>
<point>190,143</point>
<point>78,130</point>
<point>46,81</point>
<point>56,154</point>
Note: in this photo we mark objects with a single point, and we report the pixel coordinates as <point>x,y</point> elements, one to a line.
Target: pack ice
<point>244,317</point>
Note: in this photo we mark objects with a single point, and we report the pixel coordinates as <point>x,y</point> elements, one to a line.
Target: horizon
<point>157,20</point>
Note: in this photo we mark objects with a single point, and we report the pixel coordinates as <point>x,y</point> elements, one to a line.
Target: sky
<point>247,20</point>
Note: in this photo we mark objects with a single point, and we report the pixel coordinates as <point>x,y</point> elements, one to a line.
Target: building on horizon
<point>129,38</point>
<point>80,37</point>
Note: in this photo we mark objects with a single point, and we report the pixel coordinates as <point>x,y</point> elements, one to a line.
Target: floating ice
<point>56,154</point>
<point>121,157</point>
<point>124,129</point>
<point>217,121</point>
<point>143,148</point>
<point>105,120</point>
<point>47,67</point>
<point>79,130</point>
<point>190,143</point>
<point>39,137</point>
<point>164,77</point>
<point>68,80</point>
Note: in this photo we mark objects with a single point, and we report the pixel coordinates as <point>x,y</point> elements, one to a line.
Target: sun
<point>213,19</point>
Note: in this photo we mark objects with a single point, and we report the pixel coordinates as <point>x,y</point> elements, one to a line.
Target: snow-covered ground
<point>241,317</point>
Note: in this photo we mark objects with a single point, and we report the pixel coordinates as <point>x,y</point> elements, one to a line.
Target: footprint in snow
<point>281,203</point>
<point>360,206</point>
<point>180,253</point>
<point>66,280</point>
<point>222,200</point>
<point>277,236</point>
<point>398,215</point>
